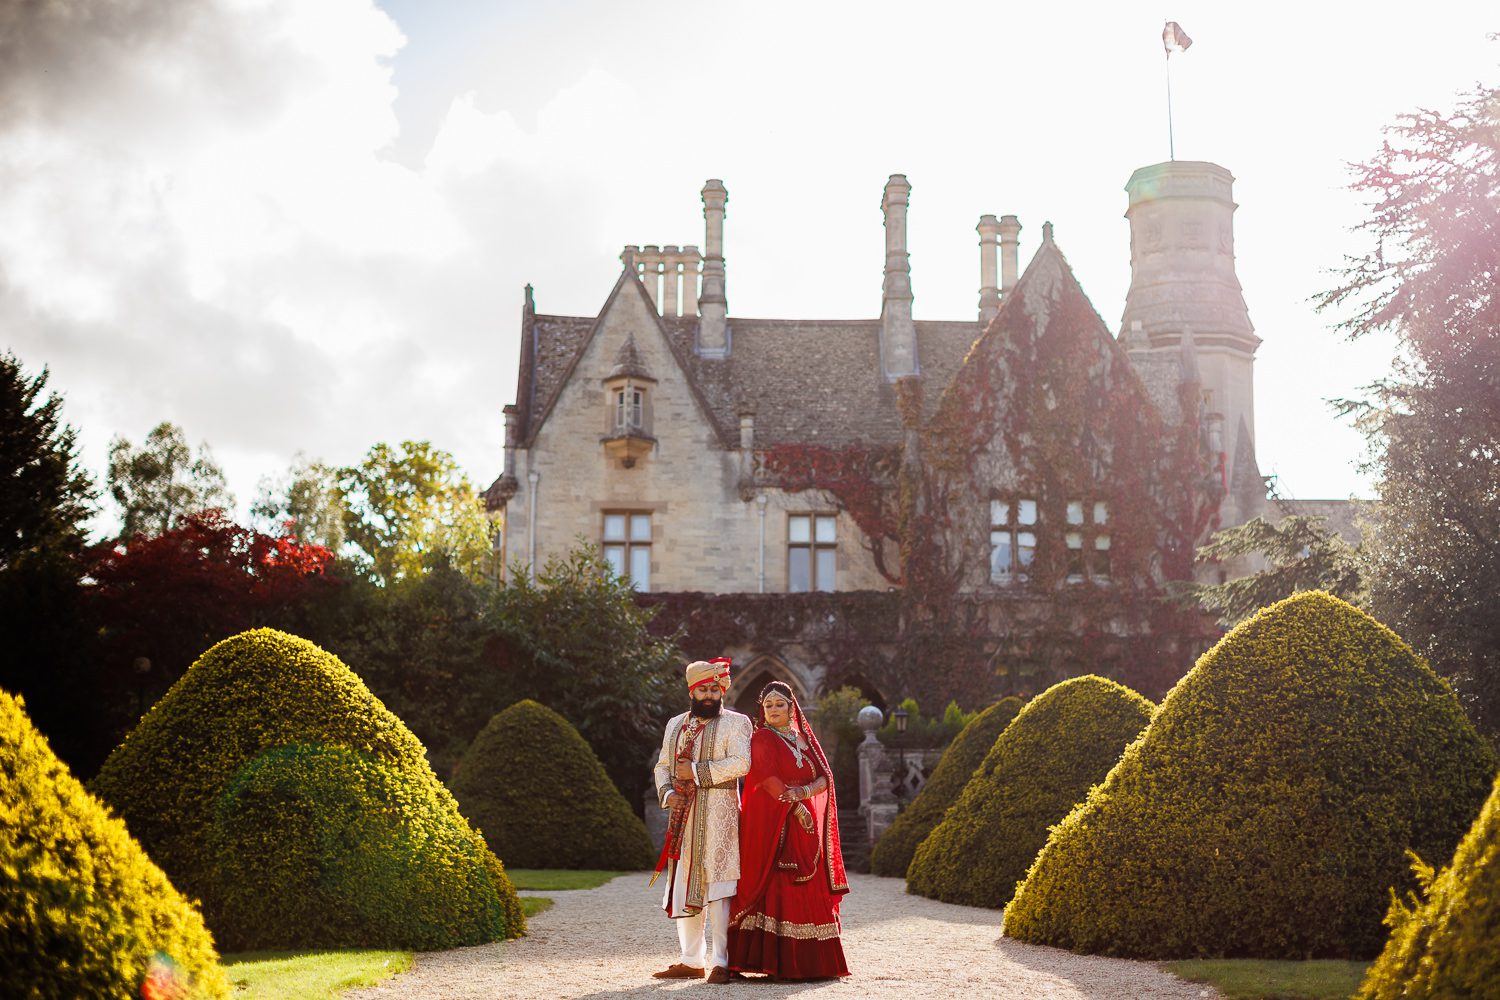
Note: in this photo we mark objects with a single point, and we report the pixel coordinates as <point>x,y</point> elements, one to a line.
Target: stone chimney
<point>691,259</point>
<point>898,334</point>
<point>650,261</point>
<point>989,281</point>
<point>713,307</point>
<point>1010,243</point>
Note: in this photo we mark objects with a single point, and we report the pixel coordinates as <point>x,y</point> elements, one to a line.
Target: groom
<point>703,753</point>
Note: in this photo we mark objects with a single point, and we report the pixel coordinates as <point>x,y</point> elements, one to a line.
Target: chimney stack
<point>989,282</point>
<point>713,332</point>
<point>898,334</point>
<point>1010,242</point>
<point>690,261</point>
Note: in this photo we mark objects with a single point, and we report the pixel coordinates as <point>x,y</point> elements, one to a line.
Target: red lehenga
<point>785,914</point>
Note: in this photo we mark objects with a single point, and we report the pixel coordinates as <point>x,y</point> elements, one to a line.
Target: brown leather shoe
<point>720,975</point>
<point>679,971</point>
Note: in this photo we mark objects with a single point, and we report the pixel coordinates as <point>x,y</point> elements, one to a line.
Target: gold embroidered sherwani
<point>710,865</point>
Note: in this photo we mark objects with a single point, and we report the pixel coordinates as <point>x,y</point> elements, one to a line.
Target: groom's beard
<point>705,709</point>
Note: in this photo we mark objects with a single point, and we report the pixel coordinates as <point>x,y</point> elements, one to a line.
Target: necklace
<point>790,736</point>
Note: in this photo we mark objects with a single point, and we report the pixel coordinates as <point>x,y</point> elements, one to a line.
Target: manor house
<point>759,478</point>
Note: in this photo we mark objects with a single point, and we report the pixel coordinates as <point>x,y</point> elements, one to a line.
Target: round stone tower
<point>1185,299</point>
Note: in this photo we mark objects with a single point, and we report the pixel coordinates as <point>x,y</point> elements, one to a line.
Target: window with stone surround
<point>1087,538</point>
<point>811,552</point>
<point>1012,539</point>
<point>627,546</point>
<point>630,409</point>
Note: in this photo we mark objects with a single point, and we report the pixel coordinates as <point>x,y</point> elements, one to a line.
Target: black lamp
<point>900,715</point>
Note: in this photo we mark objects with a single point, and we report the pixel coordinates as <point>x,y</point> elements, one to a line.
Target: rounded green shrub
<point>1063,742</point>
<point>257,691</point>
<point>1447,944</point>
<point>893,851</point>
<point>83,911</point>
<point>1267,810</point>
<point>532,784</point>
<point>325,847</point>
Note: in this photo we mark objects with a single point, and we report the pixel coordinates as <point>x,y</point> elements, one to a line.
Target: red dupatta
<point>772,834</point>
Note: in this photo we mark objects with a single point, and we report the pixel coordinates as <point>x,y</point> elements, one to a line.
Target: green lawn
<point>558,878</point>
<point>532,905</point>
<point>309,975</point>
<point>1255,979</point>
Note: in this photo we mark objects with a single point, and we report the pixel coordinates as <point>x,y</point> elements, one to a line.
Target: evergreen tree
<point>1430,276</point>
<point>44,495</point>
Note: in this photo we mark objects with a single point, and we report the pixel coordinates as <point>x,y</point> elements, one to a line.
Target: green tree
<point>159,483</point>
<point>575,640</point>
<point>1430,276</point>
<point>44,496</point>
<point>409,508</point>
<point>306,504</point>
<point>1301,553</point>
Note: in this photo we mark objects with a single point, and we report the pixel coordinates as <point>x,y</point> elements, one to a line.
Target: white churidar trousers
<point>701,953</point>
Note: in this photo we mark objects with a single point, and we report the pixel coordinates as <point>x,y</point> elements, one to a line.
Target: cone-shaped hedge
<point>83,911</point>
<point>257,691</point>
<point>893,851</point>
<point>1448,944</point>
<point>1268,809</point>
<point>1063,742</point>
<point>532,784</point>
<point>347,852</point>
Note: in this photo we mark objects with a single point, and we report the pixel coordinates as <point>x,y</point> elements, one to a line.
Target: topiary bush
<point>326,847</point>
<point>1060,744</point>
<point>83,911</point>
<point>893,851</point>
<point>257,691</point>
<point>1447,943</point>
<point>1267,810</point>
<point>543,800</point>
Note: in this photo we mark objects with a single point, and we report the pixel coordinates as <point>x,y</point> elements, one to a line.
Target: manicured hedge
<point>893,851</point>
<point>257,691</point>
<point>532,784</point>
<point>1448,943</point>
<point>325,847</point>
<point>83,911</point>
<point>1063,742</point>
<point>1268,809</point>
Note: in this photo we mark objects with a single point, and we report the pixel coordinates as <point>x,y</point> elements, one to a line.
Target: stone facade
<point>664,428</point>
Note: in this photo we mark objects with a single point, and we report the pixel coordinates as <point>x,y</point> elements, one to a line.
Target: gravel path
<point>606,942</point>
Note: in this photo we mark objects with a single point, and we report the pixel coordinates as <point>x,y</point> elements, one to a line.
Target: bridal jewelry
<point>790,735</point>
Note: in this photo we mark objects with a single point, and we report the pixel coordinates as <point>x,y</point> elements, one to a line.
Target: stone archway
<point>749,681</point>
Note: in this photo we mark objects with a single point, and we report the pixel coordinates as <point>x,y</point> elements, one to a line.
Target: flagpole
<point>1171,141</point>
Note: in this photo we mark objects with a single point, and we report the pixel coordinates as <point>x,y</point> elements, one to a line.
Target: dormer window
<point>627,392</point>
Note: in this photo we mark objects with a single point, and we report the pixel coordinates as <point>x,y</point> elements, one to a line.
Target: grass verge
<point>558,878</point>
<point>309,975</point>
<point>1259,979</point>
<point>532,905</point>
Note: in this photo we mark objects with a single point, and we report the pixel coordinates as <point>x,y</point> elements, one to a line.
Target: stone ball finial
<point>870,719</point>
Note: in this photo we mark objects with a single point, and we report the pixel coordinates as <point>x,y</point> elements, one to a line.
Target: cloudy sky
<point>304,225</point>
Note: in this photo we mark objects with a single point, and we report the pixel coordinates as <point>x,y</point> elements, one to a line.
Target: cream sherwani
<point>709,868</point>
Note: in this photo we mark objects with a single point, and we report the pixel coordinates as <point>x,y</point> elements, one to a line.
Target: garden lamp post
<point>900,715</point>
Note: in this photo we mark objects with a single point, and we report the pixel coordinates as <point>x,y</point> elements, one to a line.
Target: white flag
<point>1174,39</point>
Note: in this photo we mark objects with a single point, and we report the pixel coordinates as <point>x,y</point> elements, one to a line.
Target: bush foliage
<point>1444,944</point>
<point>1042,765</point>
<point>533,786</point>
<point>1267,810</point>
<point>893,852</point>
<point>83,910</point>
<point>253,692</point>
<point>325,847</point>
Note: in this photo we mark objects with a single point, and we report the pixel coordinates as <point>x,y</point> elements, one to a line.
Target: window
<point>1088,541</point>
<point>1012,539</point>
<point>627,547</point>
<point>811,552</point>
<point>630,409</point>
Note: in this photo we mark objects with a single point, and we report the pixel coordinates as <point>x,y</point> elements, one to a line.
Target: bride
<point>785,915</point>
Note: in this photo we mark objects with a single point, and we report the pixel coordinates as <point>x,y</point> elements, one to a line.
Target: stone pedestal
<point>877,800</point>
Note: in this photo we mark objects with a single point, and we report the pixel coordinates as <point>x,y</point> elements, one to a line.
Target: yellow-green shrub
<point>1042,765</point>
<point>83,911</point>
<point>893,851</point>
<point>543,800</point>
<point>1447,944</point>
<point>324,847</point>
<point>1268,808</point>
<point>253,692</point>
